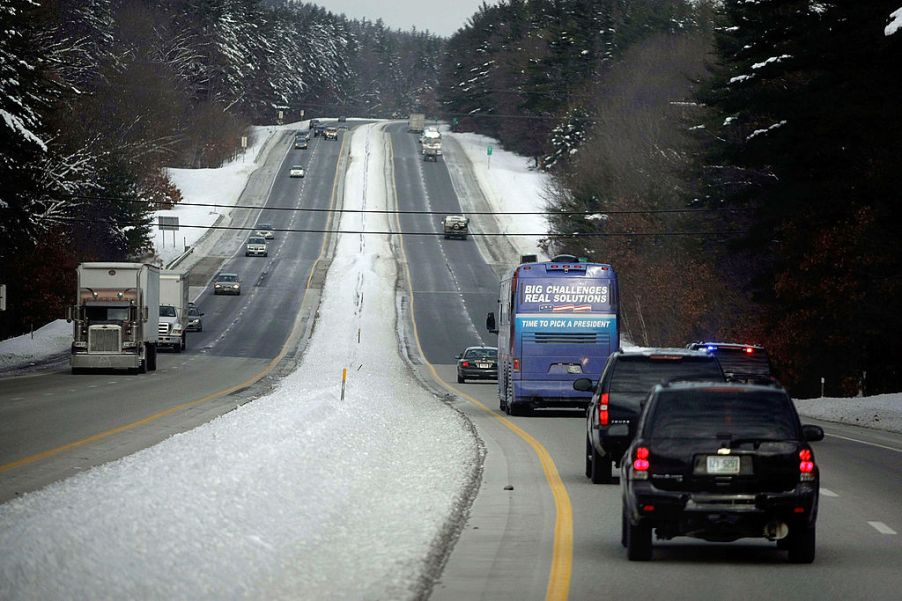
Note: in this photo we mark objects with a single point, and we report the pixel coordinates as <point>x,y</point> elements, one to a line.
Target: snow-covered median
<point>298,495</point>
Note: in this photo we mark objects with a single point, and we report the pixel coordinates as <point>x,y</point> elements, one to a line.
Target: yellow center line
<point>562,550</point>
<point>209,397</point>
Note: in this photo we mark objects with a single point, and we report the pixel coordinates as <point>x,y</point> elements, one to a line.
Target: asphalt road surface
<point>53,425</point>
<point>508,548</point>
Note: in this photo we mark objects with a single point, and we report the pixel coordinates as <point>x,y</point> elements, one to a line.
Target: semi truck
<point>416,122</point>
<point>432,145</point>
<point>115,317</point>
<point>173,324</point>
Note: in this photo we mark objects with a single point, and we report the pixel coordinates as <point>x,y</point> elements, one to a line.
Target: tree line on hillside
<point>99,96</point>
<point>737,162</point>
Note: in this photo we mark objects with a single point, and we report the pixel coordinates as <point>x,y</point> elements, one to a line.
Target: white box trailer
<point>416,122</point>
<point>116,317</point>
<point>173,311</point>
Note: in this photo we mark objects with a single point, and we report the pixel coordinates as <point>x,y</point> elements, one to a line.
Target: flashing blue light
<point>711,349</point>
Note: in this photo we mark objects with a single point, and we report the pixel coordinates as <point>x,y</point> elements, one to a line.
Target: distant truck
<point>331,133</point>
<point>416,122</point>
<point>455,226</point>
<point>432,145</point>
<point>173,324</point>
<point>116,317</point>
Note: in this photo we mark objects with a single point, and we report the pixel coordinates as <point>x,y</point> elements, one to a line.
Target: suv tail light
<point>641,464</point>
<point>806,465</point>
<point>516,364</point>
<point>604,418</point>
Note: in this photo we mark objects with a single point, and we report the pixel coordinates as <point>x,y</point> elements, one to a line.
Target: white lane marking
<point>882,528</point>
<point>873,444</point>
<point>828,493</point>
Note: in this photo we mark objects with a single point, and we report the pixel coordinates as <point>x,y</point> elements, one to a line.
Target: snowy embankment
<point>28,350</point>
<point>881,412</point>
<point>509,186</point>
<point>298,495</point>
<point>221,186</point>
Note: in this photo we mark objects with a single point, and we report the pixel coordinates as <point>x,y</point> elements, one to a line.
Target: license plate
<point>483,365</point>
<point>723,464</point>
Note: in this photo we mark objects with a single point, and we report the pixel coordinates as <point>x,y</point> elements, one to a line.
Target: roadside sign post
<point>488,153</point>
<point>168,223</point>
<point>243,148</point>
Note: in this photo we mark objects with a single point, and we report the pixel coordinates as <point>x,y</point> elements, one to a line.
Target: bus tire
<point>520,409</point>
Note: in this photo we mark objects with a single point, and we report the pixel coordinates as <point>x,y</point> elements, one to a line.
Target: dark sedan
<point>477,363</point>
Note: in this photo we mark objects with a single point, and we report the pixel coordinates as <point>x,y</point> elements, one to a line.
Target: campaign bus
<point>556,321</point>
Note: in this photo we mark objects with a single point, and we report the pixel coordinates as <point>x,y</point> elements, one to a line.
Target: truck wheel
<point>152,358</point>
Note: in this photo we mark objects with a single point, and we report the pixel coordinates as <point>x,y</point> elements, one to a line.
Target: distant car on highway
<point>331,133</point>
<point>296,171</point>
<point>256,247</point>
<point>720,462</point>
<point>195,323</point>
<point>477,363</point>
<point>264,230</point>
<point>455,226</point>
<point>625,383</point>
<point>227,283</point>
<point>300,142</point>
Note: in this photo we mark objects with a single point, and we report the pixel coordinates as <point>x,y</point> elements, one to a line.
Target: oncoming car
<point>195,323</point>
<point>264,230</point>
<point>227,283</point>
<point>477,363</point>
<point>256,247</point>
<point>296,171</point>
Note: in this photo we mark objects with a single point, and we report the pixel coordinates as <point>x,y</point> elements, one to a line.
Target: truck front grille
<point>104,339</point>
<point>163,329</point>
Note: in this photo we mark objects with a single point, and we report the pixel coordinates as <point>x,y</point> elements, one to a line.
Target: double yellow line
<point>562,550</point>
<point>290,342</point>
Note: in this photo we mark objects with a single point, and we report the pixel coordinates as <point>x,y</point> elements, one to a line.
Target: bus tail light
<point>604,418</point>
<point>516,364</point>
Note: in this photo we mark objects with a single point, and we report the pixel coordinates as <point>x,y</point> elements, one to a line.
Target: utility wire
<point>415,233</point>
<point>414,212</point>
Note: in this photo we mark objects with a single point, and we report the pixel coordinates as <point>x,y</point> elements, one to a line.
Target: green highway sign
<point>488,150</point>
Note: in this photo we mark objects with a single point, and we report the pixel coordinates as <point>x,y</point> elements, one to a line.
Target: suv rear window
<point>632,378</point>
<point>703,413</point>
<point>738,361</point>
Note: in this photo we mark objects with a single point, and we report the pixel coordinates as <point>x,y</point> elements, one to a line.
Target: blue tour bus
<point>556,322</point>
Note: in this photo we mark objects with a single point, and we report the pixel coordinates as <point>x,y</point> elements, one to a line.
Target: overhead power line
<point>414,233</point>
<point>415,212</point>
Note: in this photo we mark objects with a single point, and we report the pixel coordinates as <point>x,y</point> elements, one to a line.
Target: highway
<point>53,425</point>
<point>537,529</point>
<point>519,542</point>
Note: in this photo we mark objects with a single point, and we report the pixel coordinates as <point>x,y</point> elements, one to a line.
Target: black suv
<point>627,380</point>
<point>746,363</point>
<point>721,462</point>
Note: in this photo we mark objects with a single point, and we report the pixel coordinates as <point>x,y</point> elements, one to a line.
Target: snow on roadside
<point>880,412</point>
<point>49,341</point>
<point>222,186</point>
<point>298,495</point>
<point>509,185</point>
